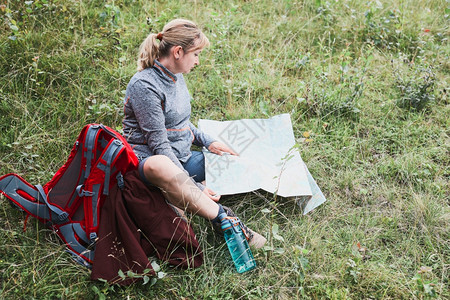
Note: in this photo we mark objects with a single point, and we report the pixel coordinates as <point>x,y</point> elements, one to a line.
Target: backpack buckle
<point>83,193</point>
<point>93,237</point>
<point>120,182</point>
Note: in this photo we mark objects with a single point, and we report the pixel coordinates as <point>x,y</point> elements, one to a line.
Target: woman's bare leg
<point>178,187</point>
<point>181,191</point>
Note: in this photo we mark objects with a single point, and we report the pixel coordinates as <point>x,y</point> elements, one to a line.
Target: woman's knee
<point>160,170</point>
<point>156,164</point>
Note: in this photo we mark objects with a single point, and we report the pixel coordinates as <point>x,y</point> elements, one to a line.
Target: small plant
<point>425,287</point>
<point>381,31</point>
<point>12,23</point>
<point>385,30</point>
<point>102,293</point>
<point>352,271</point>
<point>275,235</point>
<point>301,264</point>
<point>145,276</point>
<point>110,16</point>
<point>336,95</point>
<point>325,12</point>
<point>417,89</point>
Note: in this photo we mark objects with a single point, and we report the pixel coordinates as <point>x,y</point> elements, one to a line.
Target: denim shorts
<point>141,171</point>
<point>195,166</point>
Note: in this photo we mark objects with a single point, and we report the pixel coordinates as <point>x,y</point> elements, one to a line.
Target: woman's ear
<point>177,52</point>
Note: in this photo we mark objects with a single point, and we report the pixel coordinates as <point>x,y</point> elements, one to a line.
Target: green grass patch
<point>366,81</point>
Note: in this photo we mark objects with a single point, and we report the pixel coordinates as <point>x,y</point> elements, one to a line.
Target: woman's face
<point>188,60</point>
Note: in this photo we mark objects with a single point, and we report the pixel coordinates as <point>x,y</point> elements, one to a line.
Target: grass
<point>367,79</point>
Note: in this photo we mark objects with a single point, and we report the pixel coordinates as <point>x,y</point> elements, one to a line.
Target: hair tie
<point>159,36</point>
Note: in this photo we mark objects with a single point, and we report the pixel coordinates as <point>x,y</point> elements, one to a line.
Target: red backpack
<point>100,178</point>
<point>71,202</point>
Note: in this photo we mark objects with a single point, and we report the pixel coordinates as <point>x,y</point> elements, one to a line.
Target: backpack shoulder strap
<point>60,216</point>
<point>90,142</point>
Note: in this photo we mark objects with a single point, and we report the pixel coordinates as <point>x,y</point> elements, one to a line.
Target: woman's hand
<point>220,148</point>
<point>211,194</point>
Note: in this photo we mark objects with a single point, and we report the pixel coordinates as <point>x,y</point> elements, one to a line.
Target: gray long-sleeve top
<point>157,110</point>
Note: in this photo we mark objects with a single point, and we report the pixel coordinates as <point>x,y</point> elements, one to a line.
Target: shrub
<point>416,89</point>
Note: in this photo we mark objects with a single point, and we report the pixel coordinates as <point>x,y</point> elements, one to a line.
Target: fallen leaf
<point>361,248</point>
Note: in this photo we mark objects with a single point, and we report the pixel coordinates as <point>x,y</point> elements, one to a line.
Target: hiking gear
<point>257,241</point>
<point>237,243</point>
<point>70,203</point>
<point>99,206</point>
<point>216,222</point>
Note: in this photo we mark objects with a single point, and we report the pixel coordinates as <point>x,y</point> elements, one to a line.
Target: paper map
<point>268,160</point>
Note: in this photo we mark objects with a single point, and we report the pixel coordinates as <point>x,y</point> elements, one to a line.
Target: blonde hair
<point>178,32</point>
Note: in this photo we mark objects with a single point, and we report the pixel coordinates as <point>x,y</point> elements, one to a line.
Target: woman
<point>157,102</point>
<point>156,124</point>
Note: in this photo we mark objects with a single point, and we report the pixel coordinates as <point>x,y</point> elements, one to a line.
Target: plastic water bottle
<point>237,244</point>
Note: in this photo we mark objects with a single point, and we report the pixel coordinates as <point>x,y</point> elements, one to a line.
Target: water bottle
<point>237,244</point>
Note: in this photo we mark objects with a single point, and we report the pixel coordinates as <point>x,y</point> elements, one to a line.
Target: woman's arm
<point>200,138</point>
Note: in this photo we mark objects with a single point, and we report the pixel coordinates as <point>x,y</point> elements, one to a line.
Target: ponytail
<point>178,32</point>
<point>148,52</point>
